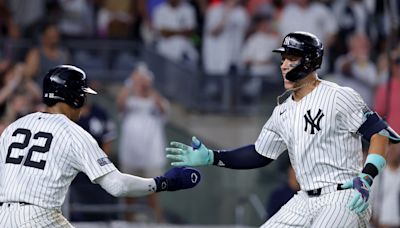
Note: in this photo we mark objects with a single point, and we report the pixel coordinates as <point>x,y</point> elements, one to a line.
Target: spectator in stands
<point>95,120</point>
<point>225,27</point>
<point>382,67</point>
<point>175,22</point>
<point>9,31</point>
<point>142,138</point>
<point>253,6</point>
<point>257,56</point>
<point>385,18</point>
<point>257,7</point>
<point>388,104</point>
<point>46,55</point>
<point>353,16</point>
<point>356,70</point>
<point>28,15</point>
<point>19,95</point>
<point>283,193</point>
<point>385,193</point>
<point>224,32</point>
<point>116,18</point>
<point>314,17</point>
<point>200,7</point>
<point>8,27</point>
<point>77,18</point>
<point>18,105</point>
<point>9,80</point>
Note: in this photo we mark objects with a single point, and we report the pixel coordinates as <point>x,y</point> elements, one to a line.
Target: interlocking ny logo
<point>313,122</point>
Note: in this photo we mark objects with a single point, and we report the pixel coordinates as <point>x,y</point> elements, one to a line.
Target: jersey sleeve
<point>269,143</point>
<point>88,156</point>
<point>351,109</point>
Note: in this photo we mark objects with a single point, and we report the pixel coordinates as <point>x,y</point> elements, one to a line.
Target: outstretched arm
<point>198,154</point>
<point>245,157</point>
<point>120,184</point>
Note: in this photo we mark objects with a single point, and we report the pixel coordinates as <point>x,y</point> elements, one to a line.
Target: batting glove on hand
<point>178,178</point>
<point>362,185</point>
<point>195,155</point>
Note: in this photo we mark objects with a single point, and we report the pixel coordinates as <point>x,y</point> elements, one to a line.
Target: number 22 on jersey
<point>27,134</point>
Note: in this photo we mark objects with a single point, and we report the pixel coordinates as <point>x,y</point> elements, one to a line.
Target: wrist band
<point>377,160</point>
<point>373,165</point>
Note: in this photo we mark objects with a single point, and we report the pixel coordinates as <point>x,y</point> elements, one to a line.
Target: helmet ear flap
<point>307,63</point>
<point>297,72</point>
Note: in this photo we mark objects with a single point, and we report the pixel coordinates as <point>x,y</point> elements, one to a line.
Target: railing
<point>111,61</point>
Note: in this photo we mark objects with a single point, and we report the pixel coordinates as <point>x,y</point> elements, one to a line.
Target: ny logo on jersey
<point>313,122</point>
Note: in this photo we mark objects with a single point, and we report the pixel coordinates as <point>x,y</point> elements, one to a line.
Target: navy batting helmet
<point>306,45</point>
<point>66,84</point>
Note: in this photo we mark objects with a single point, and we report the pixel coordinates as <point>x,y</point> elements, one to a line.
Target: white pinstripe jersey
<point>41,153</point>
<point>319,132</point>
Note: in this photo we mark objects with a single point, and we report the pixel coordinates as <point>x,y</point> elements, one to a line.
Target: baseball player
<point>320,125</point>
<point>41,153</point>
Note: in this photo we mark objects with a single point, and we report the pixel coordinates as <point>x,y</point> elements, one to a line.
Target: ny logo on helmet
<point>313,122</point>
<point>290,41</point>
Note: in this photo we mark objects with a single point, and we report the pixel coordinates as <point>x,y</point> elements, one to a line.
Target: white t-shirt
<point>316,19</point>
<point>258,47</point>
<point>177,18</point>
<point>224,49</point>
<point>142,139</point>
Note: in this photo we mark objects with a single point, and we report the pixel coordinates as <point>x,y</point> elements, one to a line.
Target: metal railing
<point>111,61</point>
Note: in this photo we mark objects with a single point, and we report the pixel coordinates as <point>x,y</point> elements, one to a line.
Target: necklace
<point>291,91</point>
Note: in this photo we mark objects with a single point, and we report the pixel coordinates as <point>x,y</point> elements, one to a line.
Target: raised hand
<point>184,155</point>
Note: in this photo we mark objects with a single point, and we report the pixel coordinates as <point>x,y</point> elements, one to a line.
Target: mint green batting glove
<point>362,187</point>
<point>195,155</point>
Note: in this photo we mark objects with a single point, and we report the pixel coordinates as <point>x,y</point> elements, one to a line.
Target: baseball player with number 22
<point>41,153</point>
<point>320,125</point>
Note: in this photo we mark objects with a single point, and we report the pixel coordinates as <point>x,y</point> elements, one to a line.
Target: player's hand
<point>178,178</point>
<point>195,155</point>
<point>359,202</point>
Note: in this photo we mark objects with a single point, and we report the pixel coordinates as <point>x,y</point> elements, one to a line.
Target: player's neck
<point>305,86</point>
<point>64,109</point>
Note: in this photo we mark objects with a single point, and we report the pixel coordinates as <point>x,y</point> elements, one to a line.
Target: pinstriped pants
<point>329,211</point>
<point>14,215</point>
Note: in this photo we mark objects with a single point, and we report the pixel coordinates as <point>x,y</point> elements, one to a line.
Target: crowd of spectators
<point>218,37</point>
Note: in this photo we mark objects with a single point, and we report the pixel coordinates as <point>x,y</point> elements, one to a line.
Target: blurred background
<point>169,69</point>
